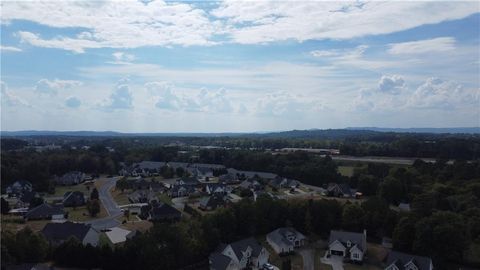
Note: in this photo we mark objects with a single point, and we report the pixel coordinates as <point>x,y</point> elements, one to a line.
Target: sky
<point>238,66</point>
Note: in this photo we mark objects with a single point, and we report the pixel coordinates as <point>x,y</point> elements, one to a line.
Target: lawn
<point>163,197</point>
<point>60,190</point>
<point>81,213</point>
<point>120,197</point>
<point>346,170</point>
<point>141,226</point>
<point>16,223</point>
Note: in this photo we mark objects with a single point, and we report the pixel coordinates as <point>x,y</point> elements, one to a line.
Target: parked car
<point>268,266</point>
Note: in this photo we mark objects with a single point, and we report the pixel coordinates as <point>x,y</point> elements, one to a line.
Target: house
<point>57,233</point>
<point>340,190</point>
<point>18,188</point>
<point>402,261</point>
<point>188,181</point>
<point>215,188</point>
<point>229,179</point>
<point>280,182</point>
<point>70,178</point>
<point>118,235</point>
<point>162,212</point>
<point>45,211</point>
<point>350,245</point>
<point>284,240</point>
<point>176,165</point>
<point>251,184</point>
<point>147,168</point>
<point>212,202</point>
<point>140,184</point>
<point>180,191</point>
<point>26,197</point>
<point>239,255</point>
<point>73,199</point>
<point>142,196</point>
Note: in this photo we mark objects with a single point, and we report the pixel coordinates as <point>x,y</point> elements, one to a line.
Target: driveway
<point>308,256</point>
<point>110,205</point>
<point>335,261</point>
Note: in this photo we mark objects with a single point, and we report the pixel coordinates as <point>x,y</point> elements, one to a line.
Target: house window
<point>349,244</point>
<point>355,256</point>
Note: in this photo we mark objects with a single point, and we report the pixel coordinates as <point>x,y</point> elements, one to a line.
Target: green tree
<point>404,234</point>
<point>122,184</point>
<point>353,217</point>
<point>93,207</point>
<point>392,190</point>
<point>94,194</point>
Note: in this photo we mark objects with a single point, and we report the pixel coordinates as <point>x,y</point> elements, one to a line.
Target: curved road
<point>110,205</point>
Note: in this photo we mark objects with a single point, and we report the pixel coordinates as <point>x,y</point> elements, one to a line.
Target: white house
<point>239,255</point>
<point>285,240</point>
<point>350,245</point>
<point>402,261</point>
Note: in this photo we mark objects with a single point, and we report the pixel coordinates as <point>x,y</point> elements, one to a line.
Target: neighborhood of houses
<point>194,189</point>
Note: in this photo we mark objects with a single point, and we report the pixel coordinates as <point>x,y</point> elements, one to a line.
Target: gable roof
<point>118,235</point>
<point>73,197</point>
<point>242,245</point>
<point>279,236</point>
<point>358,239</point>
<point>44,211</point>
<point>400,259</point>
<point>63,231</point>
<point>164,211</point>
<point>219,261</point>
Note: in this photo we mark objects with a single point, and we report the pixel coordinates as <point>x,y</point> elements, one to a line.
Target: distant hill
<point>457,130</point>
<point>357,132</point>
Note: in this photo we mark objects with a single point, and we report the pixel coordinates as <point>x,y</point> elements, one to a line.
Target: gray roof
<point>218,261</point>
<point>242,245</point>
<point>400,259</point>
<point>44,211</point>
<point>358,239</point>
<point>207,166</point>
<point>279,236</point>
<point>178,164</point>
<point>63,231</point>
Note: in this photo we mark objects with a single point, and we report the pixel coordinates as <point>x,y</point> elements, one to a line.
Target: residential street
<point>110,205</point>
<point>308,256</point>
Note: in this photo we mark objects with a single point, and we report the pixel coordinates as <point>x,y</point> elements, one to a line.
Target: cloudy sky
<point>155,66</point>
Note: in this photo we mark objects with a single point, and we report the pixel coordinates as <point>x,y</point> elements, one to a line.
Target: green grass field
<point>346,170</point>
<point>60,190</point>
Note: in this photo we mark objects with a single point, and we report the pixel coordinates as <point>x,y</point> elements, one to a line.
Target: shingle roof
<point>400,259</point>
<point>219,261</point>
<point>242,245</point>
<point>44,211</point>
<point>164,211</point>
<point>280,235</point>
<point>358,239</point>
<point>250,174</point>
<point>63,231</point>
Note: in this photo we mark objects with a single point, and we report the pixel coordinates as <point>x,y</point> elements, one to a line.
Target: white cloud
<point>441,44</point>
<point>126,24</point>
<point>51,87</point>
<point>121,98</point>
<point>123,58</point>
<point>73,102</point>
<point>10,99</point>
<point>268,21</point>
<point>285,104</point>
<point>436,93</point>
<point>9,49</point>
<point>132,24</point>
<point>168,97</point>
<point>432,94</point>
<point>391,84</point>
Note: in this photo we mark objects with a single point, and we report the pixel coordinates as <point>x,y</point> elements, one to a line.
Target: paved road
<point>335,261</point>
<point>308,256</point>
<point>110,205</point>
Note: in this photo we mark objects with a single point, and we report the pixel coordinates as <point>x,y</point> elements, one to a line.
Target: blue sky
<point>238,65</point>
